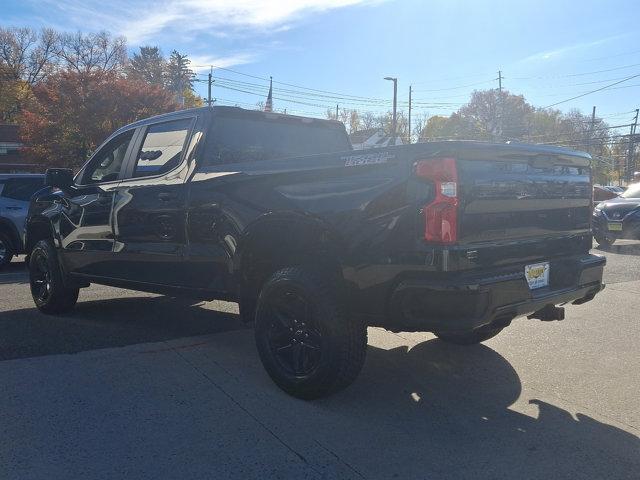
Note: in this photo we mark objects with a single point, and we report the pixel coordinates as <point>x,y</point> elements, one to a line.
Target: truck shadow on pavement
<point>15,272</point>
<point>108,323</point>
<point>621,248</point>
<point>442,411</point>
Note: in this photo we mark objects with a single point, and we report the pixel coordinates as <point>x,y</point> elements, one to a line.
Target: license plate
<point>614,227</point>
<point>537,275</point>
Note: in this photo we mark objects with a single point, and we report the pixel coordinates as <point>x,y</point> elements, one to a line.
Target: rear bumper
<point>467,302</point>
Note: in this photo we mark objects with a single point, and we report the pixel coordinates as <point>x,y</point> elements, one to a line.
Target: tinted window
<point>235,139</point>
<point>21,188</point>
<point>106,164</point>
<point>162,147</point>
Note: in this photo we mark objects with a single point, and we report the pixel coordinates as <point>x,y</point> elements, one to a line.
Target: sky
<point>320,53</point>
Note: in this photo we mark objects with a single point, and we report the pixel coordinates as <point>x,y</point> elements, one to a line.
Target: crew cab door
<point>86,227</point>
<point>149,209</point>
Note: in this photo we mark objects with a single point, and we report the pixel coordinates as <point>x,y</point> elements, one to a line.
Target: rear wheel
<point>6,250</point>
<point>468,338</point>
<point>604,241</point>
<point>48,288</point>
<point>306,341</point>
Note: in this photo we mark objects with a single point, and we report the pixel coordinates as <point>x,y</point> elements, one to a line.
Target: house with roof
<point>11,160</point>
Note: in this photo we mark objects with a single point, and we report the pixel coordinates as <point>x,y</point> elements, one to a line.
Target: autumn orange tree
<point>73,112</point>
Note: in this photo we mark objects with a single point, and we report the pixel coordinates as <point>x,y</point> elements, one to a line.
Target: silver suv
<point>15,192</point>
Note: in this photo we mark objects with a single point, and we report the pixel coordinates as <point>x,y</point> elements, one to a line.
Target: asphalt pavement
<point>134,385</point>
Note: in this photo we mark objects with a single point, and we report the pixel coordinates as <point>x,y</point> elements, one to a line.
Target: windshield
<point>632,192</point>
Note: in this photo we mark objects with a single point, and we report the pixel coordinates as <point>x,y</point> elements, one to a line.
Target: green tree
<point>178,76</point>
<point>148,65</point>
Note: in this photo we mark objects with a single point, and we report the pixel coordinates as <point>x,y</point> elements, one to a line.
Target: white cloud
<point>144,21</point>
<point>200,63</point>
<point>562,51</point>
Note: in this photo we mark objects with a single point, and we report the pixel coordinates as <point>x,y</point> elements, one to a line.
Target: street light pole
<point>395,103</point>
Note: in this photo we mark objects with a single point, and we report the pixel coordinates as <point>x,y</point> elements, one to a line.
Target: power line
<point>592,91</point>
<point>284,83</point>
<point>457,87</point>
<point>578,74</point>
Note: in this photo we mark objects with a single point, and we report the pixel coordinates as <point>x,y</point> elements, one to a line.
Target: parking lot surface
<point>134,385</point>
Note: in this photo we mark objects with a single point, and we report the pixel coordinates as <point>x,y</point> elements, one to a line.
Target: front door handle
<point>166,196</point>
<point>13,207</point>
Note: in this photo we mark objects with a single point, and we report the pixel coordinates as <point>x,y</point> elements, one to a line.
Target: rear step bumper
<point>469,302</point>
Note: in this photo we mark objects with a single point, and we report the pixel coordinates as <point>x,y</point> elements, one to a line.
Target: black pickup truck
<point>316,241</point>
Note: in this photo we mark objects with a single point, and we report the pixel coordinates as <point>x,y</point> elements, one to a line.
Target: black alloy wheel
<point>40,279</point>
<point>308,344</point>
<point>293,336</point>
<point>50,292</point>
<point>6,251</point>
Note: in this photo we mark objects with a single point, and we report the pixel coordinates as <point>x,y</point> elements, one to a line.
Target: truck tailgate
<point>512,197</point>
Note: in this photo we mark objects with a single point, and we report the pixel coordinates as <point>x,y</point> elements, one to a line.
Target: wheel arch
<point>38,228</point>
<point>285,239</point>
<point>9,229</point>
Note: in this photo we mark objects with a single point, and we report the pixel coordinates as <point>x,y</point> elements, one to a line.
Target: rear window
<point>21,188</point>
<point>235,139</point>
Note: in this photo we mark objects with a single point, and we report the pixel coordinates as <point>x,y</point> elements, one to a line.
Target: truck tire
<point>604,241</point>
<point>48,288</point>
<point>468,338</point>
<point>6,250</point>
<point>307,343</point>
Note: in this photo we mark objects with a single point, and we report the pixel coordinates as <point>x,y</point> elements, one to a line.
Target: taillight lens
<point>441,214</point>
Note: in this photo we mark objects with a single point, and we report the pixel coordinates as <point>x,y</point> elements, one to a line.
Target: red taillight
<point>441,214</point>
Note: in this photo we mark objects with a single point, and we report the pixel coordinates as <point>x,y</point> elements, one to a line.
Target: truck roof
<point>236,111</point>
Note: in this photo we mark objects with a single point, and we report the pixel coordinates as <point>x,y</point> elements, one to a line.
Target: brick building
<point>11,161</point>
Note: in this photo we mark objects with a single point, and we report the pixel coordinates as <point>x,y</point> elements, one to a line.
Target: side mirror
<point>61,178</point>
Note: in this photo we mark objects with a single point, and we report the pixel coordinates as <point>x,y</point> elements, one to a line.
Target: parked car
<point>15,192</point>
<point>615,189</point>
<point>316,241</point>
<point>618,217</point>
<point>601,194</point>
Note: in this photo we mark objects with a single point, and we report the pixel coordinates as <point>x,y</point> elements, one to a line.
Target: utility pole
<point>592,126</point>
<point>630,153</point>
<point>410,113</point>
<point>500,105</point>
<point>209,89</point>
<point>395,103</point>
<point>337,105</point>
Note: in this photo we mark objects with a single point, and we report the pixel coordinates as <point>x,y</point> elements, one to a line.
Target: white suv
<point>15,192</point>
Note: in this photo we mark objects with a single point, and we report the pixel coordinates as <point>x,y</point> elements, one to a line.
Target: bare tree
<point>369,120</point>
<point>26,54</point>
<point>92,52</point>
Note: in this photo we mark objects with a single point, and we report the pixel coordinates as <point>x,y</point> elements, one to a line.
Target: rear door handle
<point>166,196</point>
<point>13,207</point>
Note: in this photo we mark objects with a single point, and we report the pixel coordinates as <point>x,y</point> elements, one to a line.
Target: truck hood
<point>618,208</point>
<point>619,202</point>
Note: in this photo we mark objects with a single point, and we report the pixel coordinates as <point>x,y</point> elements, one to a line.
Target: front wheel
<point>306,341</point>
<point>6,250</point>
<point>468,338</point>
<point>48,289</point>
<point>604,241</point>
